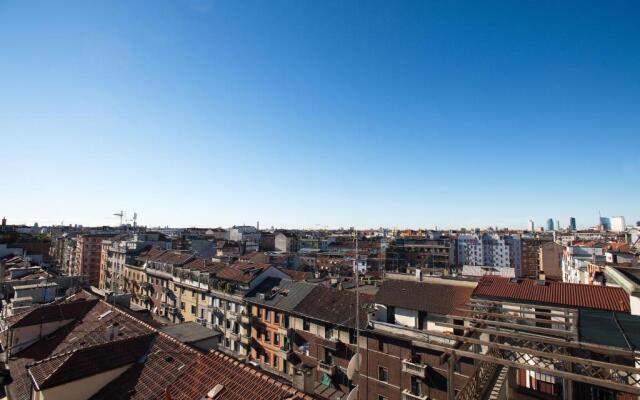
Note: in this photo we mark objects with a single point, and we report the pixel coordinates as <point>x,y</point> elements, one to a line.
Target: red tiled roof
<point>204,265</point>
<point>556,293</point>
<point>52,312</point>
<point>243,272</point>
<point>239,382</point>
<point>334,306</point>
<point>444,299</point>
<point>148,380</point>
<point>82,362</point>
<point>174,257</point>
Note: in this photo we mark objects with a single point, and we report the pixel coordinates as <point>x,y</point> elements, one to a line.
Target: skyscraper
<point>605,223</point>
<point>550,224</point>
<point>531,227</point>
<point>572,224</point>
<point>618,224</point>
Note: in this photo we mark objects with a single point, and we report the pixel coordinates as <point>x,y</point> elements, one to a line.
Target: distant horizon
<point>339,113</point>
<point>323,227</point>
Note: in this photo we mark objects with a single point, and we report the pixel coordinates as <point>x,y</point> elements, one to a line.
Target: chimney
<point>541,278</point>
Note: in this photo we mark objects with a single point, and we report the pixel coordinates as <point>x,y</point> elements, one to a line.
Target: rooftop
<point>334,306</point>
<point>189,332</point>
<point>556,293</point>
<point>430,297</point>
<point>233,379</point>
<point>279,293</point>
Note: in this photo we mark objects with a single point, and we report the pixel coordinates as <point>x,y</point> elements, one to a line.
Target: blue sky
<point>313,113</point>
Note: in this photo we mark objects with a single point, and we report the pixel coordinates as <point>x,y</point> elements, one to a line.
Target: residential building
<point>551,254</point>
<point>573,311</point>
<point>272,303</point>
<point>83,348</point>
<point>419,253</point>
<point>88,256</point>
<point>121,250</point>
<point>408,316</point>
<point>247,236</point>
<point>572,224</point>
<point>286,241</point>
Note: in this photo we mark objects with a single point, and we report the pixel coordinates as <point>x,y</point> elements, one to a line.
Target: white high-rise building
<point>617,224</point>
<point>531,226</point>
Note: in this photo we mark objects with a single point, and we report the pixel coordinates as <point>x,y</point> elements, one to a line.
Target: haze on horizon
<point>310,114</point>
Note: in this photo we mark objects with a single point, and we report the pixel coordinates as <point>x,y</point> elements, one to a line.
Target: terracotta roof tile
<point>86,361</point>
<point>239,382</point>
<point>334,306</point>
<point>436,298</point>
<point>556,293</point>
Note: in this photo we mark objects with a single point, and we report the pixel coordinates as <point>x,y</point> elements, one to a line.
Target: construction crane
<point>121,215</point>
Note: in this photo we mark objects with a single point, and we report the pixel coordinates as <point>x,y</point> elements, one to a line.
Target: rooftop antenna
<point>354,363</point>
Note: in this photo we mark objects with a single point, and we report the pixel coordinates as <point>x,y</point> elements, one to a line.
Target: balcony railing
<point>416,369</point>
<point>326,368</point>
<point>407,395</point>
<point>411,333</point>
<point>284,331</point>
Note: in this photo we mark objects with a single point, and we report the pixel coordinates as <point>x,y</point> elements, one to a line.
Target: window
<point>306,325</point>
<point>193,310</point>
<point>275,361</point>
<point>380,345</point>
<point>276,339</point>
<point>383,374</point>
<point>415,386</point>
<point>202,297</point>
<point>267,336</point>
<point>352,337</point>
<point>181,305</point>
<point>276,317</point>
<point>266,315</point>
<point>381,397</point>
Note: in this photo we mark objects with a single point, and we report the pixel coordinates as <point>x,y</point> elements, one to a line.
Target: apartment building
<point>271,305</point>
<point>597,316</point>
<point>420,253</point>
<point>404,323</point>
<point>120,250</point>
<point>88,256</point>
<point>81,348</point>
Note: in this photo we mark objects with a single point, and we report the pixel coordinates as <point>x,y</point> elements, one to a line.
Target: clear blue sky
<point>312,113</point>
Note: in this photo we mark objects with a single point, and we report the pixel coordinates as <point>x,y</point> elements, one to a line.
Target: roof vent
<point>215,391</point>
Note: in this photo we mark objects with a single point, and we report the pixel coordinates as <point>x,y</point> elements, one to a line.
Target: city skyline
<point>302,115</point>
<point>525,227</point>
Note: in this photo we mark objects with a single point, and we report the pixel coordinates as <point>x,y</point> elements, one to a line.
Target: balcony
<point>244,318</point>
<point>326,368</point>
<point>284,331</point>
<point>407,395</point>
<point>419,370</point>
<point>412,333</point>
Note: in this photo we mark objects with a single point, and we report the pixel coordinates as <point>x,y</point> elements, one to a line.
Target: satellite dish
<point>353,394</point>
<point>354,366</point>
